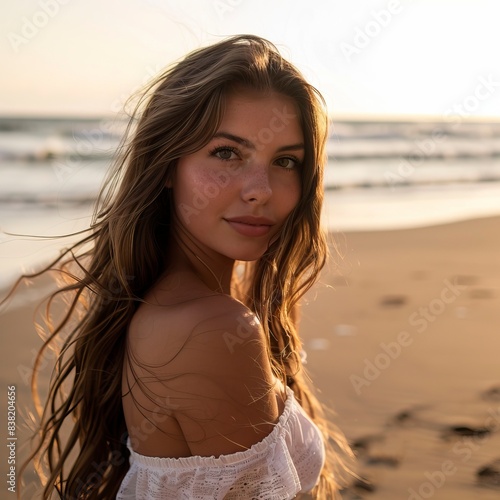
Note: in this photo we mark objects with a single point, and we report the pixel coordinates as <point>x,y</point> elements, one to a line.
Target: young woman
<point>180,344</point>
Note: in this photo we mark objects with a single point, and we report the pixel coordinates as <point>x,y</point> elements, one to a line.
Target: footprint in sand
<point>393,301</point>
<point>408,417</point>
<point>465,431</point>
<point>492,394</point>
<point>403,416</point>
<point>489,475</point>
<point>482,294</point>
<point>464,280</point>
<point>383,460</point>
<point>362,444</point>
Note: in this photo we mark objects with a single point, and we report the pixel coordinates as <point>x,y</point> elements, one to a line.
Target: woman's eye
<point>287,162</point>
<point>225,154</point>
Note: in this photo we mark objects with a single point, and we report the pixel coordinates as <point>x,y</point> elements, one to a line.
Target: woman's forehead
<point>267,115</point>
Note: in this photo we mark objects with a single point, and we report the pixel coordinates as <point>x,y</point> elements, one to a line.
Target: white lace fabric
<point>286,462</point>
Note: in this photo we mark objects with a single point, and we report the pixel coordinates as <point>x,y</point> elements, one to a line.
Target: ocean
<point>380,175</point>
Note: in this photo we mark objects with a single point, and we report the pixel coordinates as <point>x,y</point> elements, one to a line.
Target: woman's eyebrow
<point>235,138</point>
<point>299,145</point>
<point>250,145</point>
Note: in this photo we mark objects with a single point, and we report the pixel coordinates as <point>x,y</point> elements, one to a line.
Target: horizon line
<point>335,117</point>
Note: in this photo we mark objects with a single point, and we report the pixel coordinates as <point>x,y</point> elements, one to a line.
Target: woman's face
<point>233,195</point>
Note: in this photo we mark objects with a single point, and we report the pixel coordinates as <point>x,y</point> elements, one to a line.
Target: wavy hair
<point>119,258</point>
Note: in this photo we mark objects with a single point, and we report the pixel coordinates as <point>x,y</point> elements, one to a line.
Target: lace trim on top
<point>287,461</point>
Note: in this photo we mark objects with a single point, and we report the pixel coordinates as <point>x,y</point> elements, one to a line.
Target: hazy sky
<point>391,57</point>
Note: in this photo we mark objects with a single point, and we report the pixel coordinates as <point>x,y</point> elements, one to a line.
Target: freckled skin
<point>258,179</point>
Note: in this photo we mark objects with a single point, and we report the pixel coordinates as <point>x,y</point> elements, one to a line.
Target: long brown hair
<point>111,268</point>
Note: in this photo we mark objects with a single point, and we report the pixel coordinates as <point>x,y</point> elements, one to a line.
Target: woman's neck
<point>214,271</point>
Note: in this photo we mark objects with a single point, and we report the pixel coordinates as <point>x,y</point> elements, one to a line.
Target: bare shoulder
<point>226,324</point>
<point>209,357</point>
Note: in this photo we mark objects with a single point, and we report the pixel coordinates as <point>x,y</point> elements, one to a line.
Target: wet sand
<point>403,340</point>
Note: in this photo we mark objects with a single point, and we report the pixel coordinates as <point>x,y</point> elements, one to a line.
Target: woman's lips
<point>250,226</point>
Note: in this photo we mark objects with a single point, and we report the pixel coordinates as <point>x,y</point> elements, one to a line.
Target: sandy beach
<point>402,340</point>
<point>402,337</point>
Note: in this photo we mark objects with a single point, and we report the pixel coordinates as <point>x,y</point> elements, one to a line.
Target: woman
<point>184,368</point>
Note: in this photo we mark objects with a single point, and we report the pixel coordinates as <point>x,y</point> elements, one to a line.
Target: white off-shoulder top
<point>286,462</point>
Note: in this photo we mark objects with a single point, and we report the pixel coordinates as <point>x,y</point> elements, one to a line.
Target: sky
<point>376,58</point>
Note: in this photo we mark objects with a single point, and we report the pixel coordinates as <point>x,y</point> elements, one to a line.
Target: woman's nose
<point>256,185</point>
